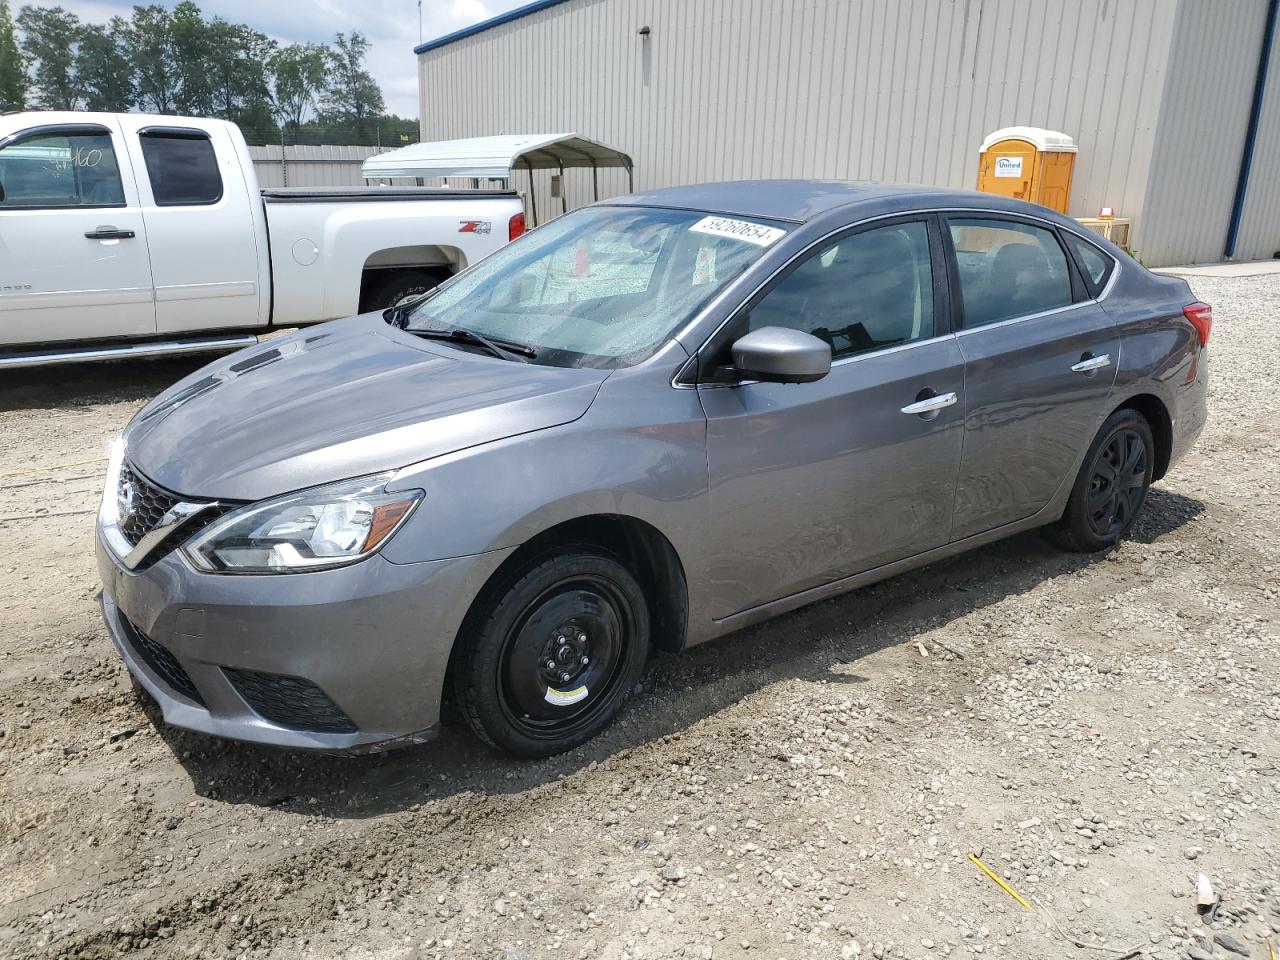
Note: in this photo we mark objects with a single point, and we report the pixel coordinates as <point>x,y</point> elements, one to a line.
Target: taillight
<point>516,226</point>
<point>1201,317</point>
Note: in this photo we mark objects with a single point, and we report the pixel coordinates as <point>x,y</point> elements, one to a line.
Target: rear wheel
<point>397,286</point>
<point>1112,485</point>
<point>549,660</point>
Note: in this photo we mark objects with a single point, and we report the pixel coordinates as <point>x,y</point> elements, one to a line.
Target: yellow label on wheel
<point>563,698</point>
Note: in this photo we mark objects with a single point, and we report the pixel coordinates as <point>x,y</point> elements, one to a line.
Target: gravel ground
<point>1099,730</point>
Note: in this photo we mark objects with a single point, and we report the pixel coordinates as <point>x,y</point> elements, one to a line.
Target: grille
<point>163,663</point>
<point>142,505</point>
<point>289,701</point>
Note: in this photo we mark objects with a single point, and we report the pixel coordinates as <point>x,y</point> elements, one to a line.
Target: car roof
<point>799,201</point>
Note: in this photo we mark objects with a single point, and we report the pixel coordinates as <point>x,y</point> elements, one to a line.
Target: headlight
<point>316,529</point>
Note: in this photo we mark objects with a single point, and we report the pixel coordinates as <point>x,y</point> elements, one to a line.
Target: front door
<point>73,247</point>
<point>811,483</point>
<point>1040,359</point>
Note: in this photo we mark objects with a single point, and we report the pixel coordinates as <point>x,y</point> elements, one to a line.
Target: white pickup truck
<point>132,235</point>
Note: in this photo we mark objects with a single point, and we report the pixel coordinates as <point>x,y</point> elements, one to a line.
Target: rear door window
<point>1008,269</point>
<point>182,167</point>
<point>61,169</point>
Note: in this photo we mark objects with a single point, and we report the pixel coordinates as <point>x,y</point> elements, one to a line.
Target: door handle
<point>109,233</point>
<point>930,404</point>
<point>1089,363</point>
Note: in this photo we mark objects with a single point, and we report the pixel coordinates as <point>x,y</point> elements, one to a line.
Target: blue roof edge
<point>489,24</point>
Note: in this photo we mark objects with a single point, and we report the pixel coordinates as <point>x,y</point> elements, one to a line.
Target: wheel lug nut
<point>565,678</point>
<point>551,664</point>
<point>582,638</point>
<point>584,661</point>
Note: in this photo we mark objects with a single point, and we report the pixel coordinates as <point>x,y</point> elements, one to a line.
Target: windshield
<point>601,287</point>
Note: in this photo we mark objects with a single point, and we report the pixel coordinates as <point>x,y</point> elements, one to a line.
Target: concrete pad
<point>1253,268</point>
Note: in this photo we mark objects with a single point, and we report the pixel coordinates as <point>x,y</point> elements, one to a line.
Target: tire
<point>535,630</point>
<point>1112,485</point>
<point>396,286</point>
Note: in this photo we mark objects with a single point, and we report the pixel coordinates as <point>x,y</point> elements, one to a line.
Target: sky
<point>390,25</point>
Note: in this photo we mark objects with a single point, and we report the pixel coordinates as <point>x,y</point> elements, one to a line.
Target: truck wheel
<point>550,657</point>
<point>397,286</point>
<point>1111,487</point>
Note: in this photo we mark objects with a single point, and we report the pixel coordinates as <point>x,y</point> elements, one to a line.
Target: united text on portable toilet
<point>1028,163</point>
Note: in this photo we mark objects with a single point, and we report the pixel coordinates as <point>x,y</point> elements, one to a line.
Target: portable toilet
<point>1030,164</point>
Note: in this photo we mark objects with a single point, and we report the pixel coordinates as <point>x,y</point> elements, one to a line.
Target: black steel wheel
<point>1118,483</point>
<point>1112,485</point>
<point>550,658</point>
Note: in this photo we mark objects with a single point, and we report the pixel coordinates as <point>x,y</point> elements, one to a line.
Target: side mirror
<point>780,355</point>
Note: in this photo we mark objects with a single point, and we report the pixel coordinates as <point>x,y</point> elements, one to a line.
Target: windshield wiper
<point>503,349</point>
<point>398,316</point>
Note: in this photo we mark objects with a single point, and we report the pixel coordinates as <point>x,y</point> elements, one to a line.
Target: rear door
<point>1040,358</point>
<point>814,482</point>
<point>73,245</point>
<point>201,224</point>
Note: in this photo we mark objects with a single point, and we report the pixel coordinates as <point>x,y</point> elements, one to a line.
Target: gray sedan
<point>642,426</point>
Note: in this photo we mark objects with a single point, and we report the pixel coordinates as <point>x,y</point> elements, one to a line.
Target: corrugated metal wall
<point>1260,226</point>
<point>1203,119</point>
<point>896,90</point>
<point>312,166</point>
<point>859,89</point>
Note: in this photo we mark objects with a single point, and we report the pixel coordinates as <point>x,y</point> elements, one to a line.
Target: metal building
<point>1165,98</point>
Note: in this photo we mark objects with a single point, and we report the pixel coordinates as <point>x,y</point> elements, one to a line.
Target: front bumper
<point>358,654</point>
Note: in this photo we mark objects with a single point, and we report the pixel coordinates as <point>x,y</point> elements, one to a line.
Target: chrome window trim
<point>865,355</point>
<point>1024,317</point>
<point>724,295</point>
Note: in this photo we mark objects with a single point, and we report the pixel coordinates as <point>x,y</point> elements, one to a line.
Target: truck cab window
<point>60,170</point>
<point>182,168</point>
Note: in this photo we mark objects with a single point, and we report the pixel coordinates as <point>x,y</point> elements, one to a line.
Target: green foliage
<point>150,47</point>
<point>105,71</point>
<point>353,96</point>
<point>13,67</point>
<point>177,62</point>
<point>299,73</point>
<point>50,36</point>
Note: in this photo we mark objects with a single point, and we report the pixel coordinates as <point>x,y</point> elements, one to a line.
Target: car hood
<point>341,400</point>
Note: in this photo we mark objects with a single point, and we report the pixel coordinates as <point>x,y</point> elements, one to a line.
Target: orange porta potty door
<point>1028,163</point>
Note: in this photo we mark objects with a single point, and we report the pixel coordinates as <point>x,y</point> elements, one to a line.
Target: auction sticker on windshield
<point>756,233</point>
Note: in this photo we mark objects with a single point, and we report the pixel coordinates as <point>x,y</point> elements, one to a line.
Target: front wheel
<point>1111,487</point>
<point>549,660</point>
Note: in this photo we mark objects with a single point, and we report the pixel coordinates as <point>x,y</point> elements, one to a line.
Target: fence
<point>313,166</point>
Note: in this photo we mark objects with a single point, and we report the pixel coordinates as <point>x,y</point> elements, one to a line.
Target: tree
<point>149,45</point>
<point>298,72</point>
<point>13,66</point>
<point>236,62</point>
<point>191,45</point>
<point>49,37</point>
<point>353,97</point>
<point>106,73</point>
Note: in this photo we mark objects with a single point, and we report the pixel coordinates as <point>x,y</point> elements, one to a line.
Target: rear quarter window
<point>1095,265</point>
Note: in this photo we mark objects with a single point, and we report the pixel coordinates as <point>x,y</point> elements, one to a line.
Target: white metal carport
<point>495,158</point>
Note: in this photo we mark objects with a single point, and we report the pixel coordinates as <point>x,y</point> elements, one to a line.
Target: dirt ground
<point>1099,730</point>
